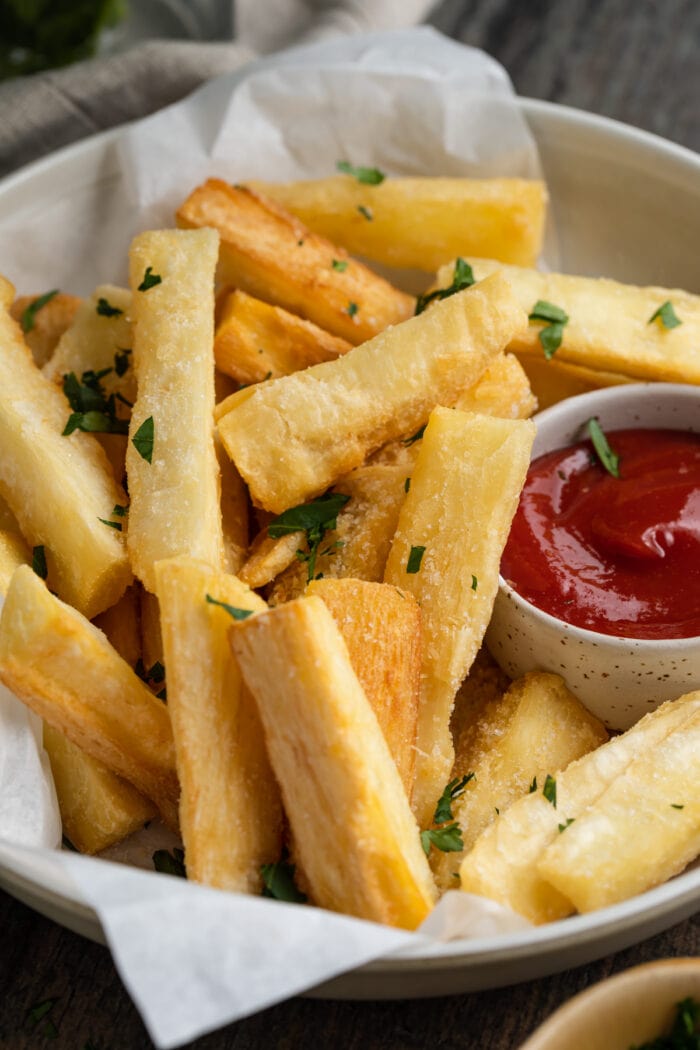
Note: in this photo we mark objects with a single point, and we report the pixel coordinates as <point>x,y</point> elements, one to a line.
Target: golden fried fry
<point>48,322</point>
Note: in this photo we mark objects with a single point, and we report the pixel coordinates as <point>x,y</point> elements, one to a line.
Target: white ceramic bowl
<point>618,679</point>
<point>627,1010</point>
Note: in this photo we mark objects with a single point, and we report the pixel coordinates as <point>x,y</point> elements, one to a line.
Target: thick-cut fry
<point>485,683</point>
<point>381,627</point>
<point>230,808</point>
<point>609,326</point>
<point>268,557</point>
<point>151,635</point>
<point>552,381</point>
<point>59,488</point>
<point>255,341</point>
<point>504,390</point>
<point>643,829</point>
<point>48,323</point>
<point>97,807</point>
<point>270,254</point>
<point>503,863</point>
<point>447,549</point>
<point>171,459</point>
<point>122,624</point>
<point>334,767</point>
<point>65,670</point>
<point>422,223</point>
<point>234,511</point>
<point>292,437</point>
<point>537,728</point>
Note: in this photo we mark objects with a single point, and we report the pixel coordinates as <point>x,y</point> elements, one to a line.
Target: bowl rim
<point>624,392</point>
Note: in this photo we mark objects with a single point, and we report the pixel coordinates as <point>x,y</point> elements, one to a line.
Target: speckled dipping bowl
<point>618,679</point>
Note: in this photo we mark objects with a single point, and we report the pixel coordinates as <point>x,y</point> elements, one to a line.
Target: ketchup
<point>615,555</point>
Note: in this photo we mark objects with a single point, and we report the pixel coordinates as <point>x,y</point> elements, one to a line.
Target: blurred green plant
<point>44,34</point>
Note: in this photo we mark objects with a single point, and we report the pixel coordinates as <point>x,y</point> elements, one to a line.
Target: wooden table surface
<point>636,61</point>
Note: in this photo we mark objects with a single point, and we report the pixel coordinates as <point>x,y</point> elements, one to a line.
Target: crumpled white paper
<point>409,102</point>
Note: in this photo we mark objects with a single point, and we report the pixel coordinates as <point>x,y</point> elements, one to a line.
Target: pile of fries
<point>273,641</point>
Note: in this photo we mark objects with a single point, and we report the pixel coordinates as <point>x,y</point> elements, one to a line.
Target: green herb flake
<point>533,786</point>
<point>368,176</point>
<point>462,277</point>
<point>414,437</point>
<point>551,336</point>
<point>407,485</point>
<point>232,610</point>
<point>143,439</point>
<point>352,309</point>
<point>119,511</point>
<point>28,318</point>
<point>340,265</point>
<point>112,524</point>
<point>448,839</point>
<point>414,560</point>
<point>150,280</point>
<point>677,805</point>
<point>105,309</point>
<point>550,790</point>
<point>685,1030</point>
<point>453,790</point>
<point>567,823</point>
<point>667,315</point>
<point>365,212</point>
<point>609,459</point>
<point>170,863</point>
<point>475,582</point>
<point>39,562</point>
<point>156,673</point>
<point>93,410</point>
<point>315,519</point>
<point>279,884</point>
<point>121,361</point>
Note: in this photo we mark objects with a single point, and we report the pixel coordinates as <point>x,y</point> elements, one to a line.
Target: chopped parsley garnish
<point>232,610</point>
<point>475,582</point>
<point>143,439</point>
<point>677,805</point>
<point>29,313</point>
<point>448,839</point>
<point>462,277</point>
<point>533,786</point>
<point>667,315</point>
<point>94,412</point>
<point>119,511</point>
<point>407,485</point>
<point>414,560</point>
<point>567,823</point>
<point>365,212</point>
<point>550,790</point>
<point>352,309</point>
<point>315,519</point>
<point>39,562</point>
<point>453,790</point>
<point>121,361</point>
<point>112,524</point>
<point>340,265</point>
<point>278,882</point>
<point>150,279</point>
<point>609,459</point>
<point>170,863</point>
<point>685,1030</point>
<point>368,176</point>
<point>552,334</point>
<point>414,437</point>
<point>105,309</point>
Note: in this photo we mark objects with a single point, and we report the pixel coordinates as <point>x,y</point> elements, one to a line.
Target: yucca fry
<point>268,557</point>
<point>292,437</point>
<point>97,807</point>
<point>380,626</point>
<point>553,381</point>
<point>48,324</point>
<point>151,634</point>
<point>334,767</point>
<point>609,327</point>
<point>59,488</point>
<point>234,511</point>
<point>65,670</point>
<point>446,551</point>
<point>121,623</point>
<point>256,341</point>
<point>230,809</point>
<point>499,218</point>
<point>537,728</point>
<point>174,484</point>
<point>641,831</point>
<point>271,255</point>
<point>485,683</point>
<point>503,863</point>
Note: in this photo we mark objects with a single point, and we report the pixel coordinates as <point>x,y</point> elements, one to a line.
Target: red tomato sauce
<point>619,556</point>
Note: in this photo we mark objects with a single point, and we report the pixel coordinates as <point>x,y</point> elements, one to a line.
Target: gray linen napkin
<point>45,111</point>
